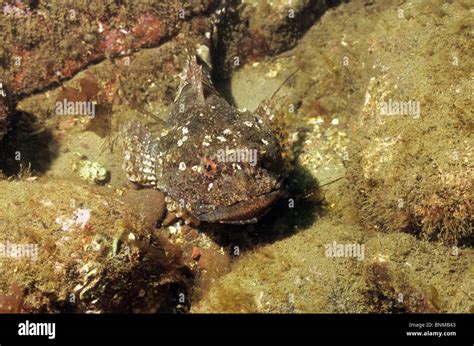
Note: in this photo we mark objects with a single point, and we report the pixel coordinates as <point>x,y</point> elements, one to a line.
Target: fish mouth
<point>244,212</point>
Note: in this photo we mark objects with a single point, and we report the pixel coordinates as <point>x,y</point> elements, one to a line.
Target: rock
<point>105,260</point>
<point>262,28</point>
<point>66,40</point>
<point>410,158</point>
<point>149,204</point>
<point>276,278</point>
<point>398,294</point>
<point>12,302</point>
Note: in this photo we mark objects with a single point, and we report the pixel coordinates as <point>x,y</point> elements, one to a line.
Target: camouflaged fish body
<point>202,159</point>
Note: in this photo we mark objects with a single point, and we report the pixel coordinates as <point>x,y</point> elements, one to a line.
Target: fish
<point>219,164</point>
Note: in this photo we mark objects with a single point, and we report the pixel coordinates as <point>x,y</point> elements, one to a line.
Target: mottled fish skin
<point>140,153</point>
<point>184,162</point>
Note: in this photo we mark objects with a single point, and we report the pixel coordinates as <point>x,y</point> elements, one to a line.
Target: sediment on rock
<point>410,160</point>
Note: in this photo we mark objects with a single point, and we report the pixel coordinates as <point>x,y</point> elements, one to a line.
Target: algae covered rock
<point>410,162</point>
<point>392,273</point>
<point>66,39</point>
<point>404,274</point>
<point>261,28</point>
<point>80,249</point>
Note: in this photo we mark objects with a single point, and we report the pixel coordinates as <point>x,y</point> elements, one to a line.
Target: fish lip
<point>230,214</point>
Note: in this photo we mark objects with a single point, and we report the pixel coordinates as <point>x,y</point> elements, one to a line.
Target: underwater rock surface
<point>49,42</point>
<point>410,161</point>
<point>80,249</point>
<point>289,276</point>
<point>263,28</point>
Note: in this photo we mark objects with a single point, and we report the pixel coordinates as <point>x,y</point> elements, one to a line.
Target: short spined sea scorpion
<point>215,163</point>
